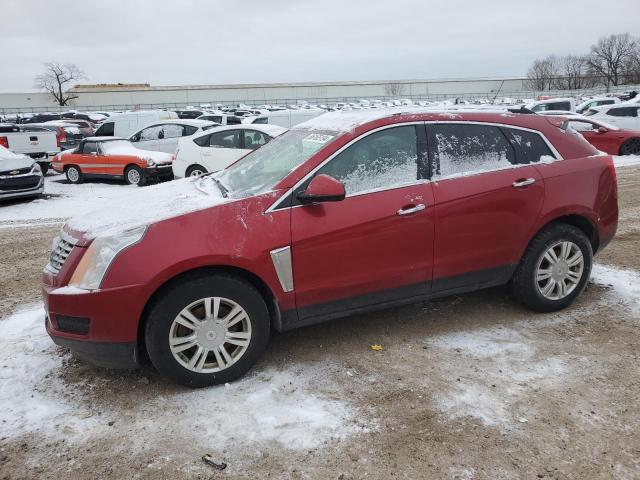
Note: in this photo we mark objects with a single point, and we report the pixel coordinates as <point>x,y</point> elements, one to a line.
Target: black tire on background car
<point>74,175</point>
<point>630,147</point>
<point>554,268</point>
<point>195,170</point>
<point>134,175</point>
<point>207,329</point>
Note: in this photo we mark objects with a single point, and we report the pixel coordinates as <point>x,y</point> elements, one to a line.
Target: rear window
<point>532,145</point>
<point>624,112</point>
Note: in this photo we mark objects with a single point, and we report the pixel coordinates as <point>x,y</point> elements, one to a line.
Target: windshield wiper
<point>223,189</point>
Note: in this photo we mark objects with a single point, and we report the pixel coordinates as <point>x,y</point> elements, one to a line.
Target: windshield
<point>262,169</point>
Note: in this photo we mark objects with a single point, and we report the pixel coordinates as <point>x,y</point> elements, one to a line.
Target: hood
<point>142,206</point>
<point>11,161</point>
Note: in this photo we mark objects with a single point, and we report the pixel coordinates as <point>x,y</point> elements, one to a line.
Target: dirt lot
<point>471,386</point>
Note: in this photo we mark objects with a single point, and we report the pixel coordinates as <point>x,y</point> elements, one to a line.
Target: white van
<point>565,104</point>
<point>285,118</point>
<point>127,123</point>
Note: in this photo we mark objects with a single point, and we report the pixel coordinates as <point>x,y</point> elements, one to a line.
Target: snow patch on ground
<point>626,161</point>
<point>623,285</point>
<point>506,363</point>
<point>282,406</point>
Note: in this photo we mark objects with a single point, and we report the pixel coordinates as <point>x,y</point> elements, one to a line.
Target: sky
<point>191,42</point>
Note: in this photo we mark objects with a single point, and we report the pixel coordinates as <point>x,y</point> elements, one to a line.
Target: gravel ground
<point>467,387</point>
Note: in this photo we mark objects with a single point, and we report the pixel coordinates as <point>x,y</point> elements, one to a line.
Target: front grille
<point>17,171</point>
<point>19,183</point>
<point>61,249</point>
<point>78,325</point>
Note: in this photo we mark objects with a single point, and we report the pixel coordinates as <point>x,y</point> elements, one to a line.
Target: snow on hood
<point>124,147</point>
<point>146,205</point>
<point>11,161</point>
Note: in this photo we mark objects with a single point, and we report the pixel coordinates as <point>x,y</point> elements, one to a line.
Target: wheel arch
<point>577,220</point>
<point>262,287</point>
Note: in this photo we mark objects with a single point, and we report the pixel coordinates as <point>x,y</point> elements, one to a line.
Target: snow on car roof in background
<point>273,130</point>
<point>151,204</point>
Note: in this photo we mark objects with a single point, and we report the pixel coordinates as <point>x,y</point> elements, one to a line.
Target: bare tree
<point>394,89</point>
<point>56,80</point>
<point>543,74</point>
<point>609,56</point>
<point>573,69</point>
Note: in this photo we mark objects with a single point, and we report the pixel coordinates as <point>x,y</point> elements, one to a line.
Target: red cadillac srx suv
<point>348,212</point>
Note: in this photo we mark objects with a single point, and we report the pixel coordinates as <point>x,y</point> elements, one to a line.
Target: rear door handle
<point>524,183</point>
<point>410,210</point>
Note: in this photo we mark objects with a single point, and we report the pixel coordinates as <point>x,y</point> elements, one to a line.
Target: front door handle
<point>410,210</point>
<point>524,182</point>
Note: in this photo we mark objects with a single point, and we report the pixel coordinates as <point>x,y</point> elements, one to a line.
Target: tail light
<point>61,136</point>
<point>4,142</point>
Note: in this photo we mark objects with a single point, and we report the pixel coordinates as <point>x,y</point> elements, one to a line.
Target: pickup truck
<point>37,145</point>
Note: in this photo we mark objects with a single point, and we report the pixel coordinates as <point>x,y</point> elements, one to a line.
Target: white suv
<point>219,147</point>
<point>623,115</point>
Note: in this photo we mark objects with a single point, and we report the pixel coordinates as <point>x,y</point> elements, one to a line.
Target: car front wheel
<point>196,171</point>
<point>74,175</point>
<point>133,176</point>
<point>630,147</point>
<point>554,269</point>
<point>207,330</point>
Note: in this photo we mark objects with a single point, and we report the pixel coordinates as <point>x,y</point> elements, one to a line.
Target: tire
<point>536,273</point>
<point>630,147</point>
<point>74,174</point>
<point>162,327</point>
<point>195,170</point>
<point>134,175</point>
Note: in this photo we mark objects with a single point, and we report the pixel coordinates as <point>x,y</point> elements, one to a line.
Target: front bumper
<point>113,315</point>
<point>159,172</point>
<point>108,355</point>
<point>10,191</point>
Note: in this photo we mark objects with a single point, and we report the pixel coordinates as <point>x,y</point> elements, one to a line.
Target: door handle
<point>410,210</point>
<point>524,183</point>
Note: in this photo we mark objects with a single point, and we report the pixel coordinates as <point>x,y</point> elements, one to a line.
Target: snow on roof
<point>144,206</point>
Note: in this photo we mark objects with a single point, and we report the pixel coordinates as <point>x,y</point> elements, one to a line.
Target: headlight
<point>150,162</point>
<point>36,168</point>
<point>96,260</point>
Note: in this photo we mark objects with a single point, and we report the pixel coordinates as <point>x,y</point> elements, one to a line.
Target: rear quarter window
<point>532,145</point>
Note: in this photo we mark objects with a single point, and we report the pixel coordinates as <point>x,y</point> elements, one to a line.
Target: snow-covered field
<point>63,200</point>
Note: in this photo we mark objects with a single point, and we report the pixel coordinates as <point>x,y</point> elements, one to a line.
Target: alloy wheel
<point>73,174</point>
<point>631,147</point>
<point>210,335</point>
<point>133,176</point>
<point>559,270</point>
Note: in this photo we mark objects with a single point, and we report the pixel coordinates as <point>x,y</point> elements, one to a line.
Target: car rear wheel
<point>196,171</point>
<point>630,147</point>
<point>74,175</point>
<point>133,175</point>
<point>554,269</point>
<point>207,330</point>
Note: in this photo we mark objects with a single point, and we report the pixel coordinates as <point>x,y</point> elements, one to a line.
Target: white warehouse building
<point>125,96</point>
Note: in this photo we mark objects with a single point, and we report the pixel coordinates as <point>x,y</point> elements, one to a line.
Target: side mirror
<point>135,138</point>
<point>602,130</point>
<point>323,188</point>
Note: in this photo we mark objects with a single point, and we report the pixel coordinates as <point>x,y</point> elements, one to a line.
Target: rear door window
<point>225,139</point>
<point>532,144</point>
<point>461,148</point>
